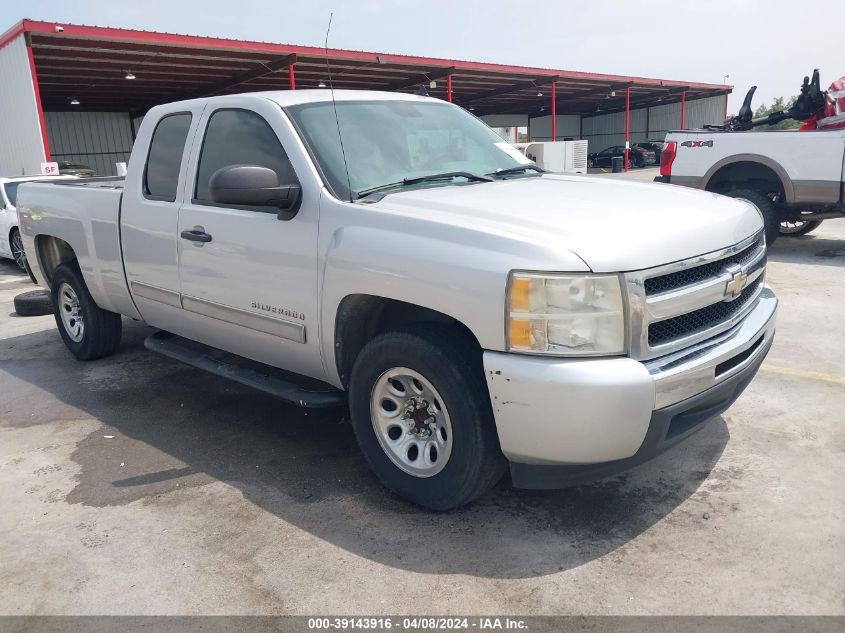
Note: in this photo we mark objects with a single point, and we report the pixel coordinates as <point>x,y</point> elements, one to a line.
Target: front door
<point>251,285</point>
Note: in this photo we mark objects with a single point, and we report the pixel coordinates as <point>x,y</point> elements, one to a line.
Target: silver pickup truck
<point>390,252</point>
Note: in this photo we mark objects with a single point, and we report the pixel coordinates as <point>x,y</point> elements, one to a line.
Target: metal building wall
<point>662,119</point>
<point>21,147</point>
<point>96,139</point>
<point>566,126</point>
<point>651,123</point>
<point>609,129</point>
<point>506,120</point>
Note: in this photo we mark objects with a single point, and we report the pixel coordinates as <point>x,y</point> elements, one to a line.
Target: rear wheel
<point>793,228</point>
<point>422,416</point>
<point>88,331</point>
<point>771,214</point>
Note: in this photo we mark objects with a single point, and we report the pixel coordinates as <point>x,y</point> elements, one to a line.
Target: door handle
<point>195,235</point>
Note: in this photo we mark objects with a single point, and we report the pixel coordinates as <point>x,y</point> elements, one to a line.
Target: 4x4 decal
<point>697,144</point>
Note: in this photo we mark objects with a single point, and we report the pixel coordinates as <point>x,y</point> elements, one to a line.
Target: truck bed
<point>86,213</point>
<point>100,182</point>
<point>809,163</point>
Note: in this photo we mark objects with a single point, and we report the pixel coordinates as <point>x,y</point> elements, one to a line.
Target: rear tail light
<point>667,157</point>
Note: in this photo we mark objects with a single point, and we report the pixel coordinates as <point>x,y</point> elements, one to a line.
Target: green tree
<point>778,105</point>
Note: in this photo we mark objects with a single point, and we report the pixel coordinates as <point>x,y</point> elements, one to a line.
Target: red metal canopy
<point>90,64</point>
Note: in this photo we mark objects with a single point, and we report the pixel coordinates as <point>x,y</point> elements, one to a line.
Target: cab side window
<point>161,174</point>
<point>239,137</point>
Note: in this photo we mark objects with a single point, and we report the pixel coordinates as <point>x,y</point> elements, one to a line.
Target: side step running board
<point>270,380</point>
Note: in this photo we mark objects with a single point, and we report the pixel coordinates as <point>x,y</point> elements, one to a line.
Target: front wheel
<point>793,228</point>
<point>421,414</point>
<point>87,330</point>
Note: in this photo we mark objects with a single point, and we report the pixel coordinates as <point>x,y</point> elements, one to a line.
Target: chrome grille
<point>689,276</point>
<point>698,320</point>
<point>675,306</point>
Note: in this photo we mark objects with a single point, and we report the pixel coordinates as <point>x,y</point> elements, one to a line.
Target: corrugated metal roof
<point>90,63</point>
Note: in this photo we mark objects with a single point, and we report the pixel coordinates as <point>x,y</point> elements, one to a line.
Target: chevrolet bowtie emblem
<point>736,284</point>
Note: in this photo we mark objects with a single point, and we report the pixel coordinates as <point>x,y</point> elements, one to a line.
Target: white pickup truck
<point>473,310</point>
<point>794,177</point>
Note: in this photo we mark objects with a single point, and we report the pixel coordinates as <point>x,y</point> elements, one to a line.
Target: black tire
<point>100,334</point>
<point>771,215</point>
<point>29,272</point>
<point>807,227</point>
<point>452,364</point>
<point>34,303</point>
<point>18,253</point>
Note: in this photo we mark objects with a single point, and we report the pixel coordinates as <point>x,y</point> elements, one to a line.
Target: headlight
<point>565,315</point>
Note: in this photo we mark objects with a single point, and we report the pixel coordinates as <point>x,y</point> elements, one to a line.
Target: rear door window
<point>161,175</point>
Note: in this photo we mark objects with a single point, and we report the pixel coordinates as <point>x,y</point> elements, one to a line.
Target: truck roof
<point>318,95</point>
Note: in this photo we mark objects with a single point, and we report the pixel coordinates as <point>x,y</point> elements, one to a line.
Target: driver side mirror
<point>254,186</point>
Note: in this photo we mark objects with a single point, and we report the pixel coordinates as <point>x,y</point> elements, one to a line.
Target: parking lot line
<point>802,373</point>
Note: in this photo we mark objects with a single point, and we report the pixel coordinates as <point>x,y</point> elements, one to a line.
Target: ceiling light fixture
<point>129,75</point>
<point>74,101</point>
<point>539,93</point>
<point>612,93</point>
<point>321,84</point>
<point>432,84</point>
<point>471,108</point>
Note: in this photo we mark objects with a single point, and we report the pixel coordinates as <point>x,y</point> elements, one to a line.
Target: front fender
<point>467,283</point>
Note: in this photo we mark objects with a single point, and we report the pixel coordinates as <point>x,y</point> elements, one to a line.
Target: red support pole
<point>449,88</point>
<point>554,114</point>
<point>627,125</point>
<point>726,107</point>
<point>291,77</point>
<point>35,88</point>
<point>683,107</point>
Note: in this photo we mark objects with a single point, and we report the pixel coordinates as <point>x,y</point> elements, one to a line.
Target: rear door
<point>252,287</point>
<point>150,213</point>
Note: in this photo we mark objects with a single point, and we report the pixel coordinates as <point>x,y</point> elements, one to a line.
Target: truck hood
<point>613,225</point>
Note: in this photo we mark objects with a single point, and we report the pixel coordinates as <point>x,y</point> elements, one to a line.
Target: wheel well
<point>360,318</point>
<point>51,253</point>
<point>746,175</point>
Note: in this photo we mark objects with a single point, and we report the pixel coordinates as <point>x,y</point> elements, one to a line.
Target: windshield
<point>388,141</point>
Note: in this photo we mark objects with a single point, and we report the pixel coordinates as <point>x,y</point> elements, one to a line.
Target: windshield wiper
<point>519,169</point>
<point>449,175</point>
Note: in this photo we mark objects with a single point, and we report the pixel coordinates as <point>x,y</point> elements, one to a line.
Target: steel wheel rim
<point>793,226</point>
<point>71,313</point>
<point>411,422</point>
<point>18,253</point>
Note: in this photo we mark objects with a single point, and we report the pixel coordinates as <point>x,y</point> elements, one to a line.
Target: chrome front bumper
<point>551,411</point>
<point>682,375</point>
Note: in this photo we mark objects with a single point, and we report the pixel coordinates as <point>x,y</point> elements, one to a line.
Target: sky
<point>770,43</point>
